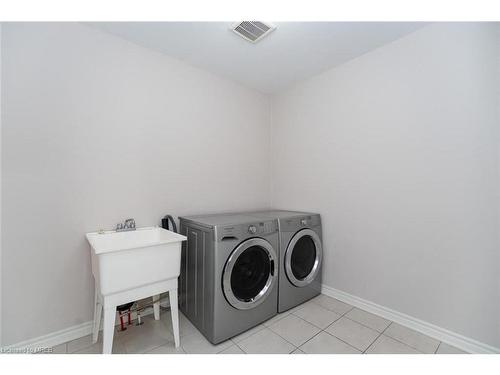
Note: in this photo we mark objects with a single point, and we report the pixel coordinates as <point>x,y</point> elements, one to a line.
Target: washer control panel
<point>262,227</point>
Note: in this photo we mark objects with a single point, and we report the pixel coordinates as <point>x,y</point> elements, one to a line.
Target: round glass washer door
<point>303,257</point>
<point>249,273</point>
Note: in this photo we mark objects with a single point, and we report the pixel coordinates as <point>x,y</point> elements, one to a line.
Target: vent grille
<point>253,31</point>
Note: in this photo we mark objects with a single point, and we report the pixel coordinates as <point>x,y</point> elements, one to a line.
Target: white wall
<point>398,150</point>
<point>0,183</point>
<point>96,130</point>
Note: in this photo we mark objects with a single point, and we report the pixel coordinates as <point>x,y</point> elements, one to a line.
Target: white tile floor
<point>322,325</point>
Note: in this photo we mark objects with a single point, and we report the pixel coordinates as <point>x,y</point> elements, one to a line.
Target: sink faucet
<point>127,225</point>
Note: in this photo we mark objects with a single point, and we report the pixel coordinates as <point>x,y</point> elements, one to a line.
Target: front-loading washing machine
<point>229,273</point>
<point>300,256</point>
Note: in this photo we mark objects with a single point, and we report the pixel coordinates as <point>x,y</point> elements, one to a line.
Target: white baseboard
<point>65,335</point>
<point>459,341</point>
<point>50,340</point>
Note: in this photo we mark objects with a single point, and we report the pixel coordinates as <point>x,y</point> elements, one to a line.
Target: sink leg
<point>174,309</point>
<point>97,322</point>
<point>97,316</point>
<point>156,306</point>
<point>109,329</point>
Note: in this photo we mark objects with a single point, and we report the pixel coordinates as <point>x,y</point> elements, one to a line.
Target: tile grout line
<point>364,325</point>
<point>395,339</point>
<point>284,317</point>
<point>381,333</point>
<point>293,313</point>
<point>340,316</point>
<point>402,342</point>
<point>295,347</point>
<point>309,340</point>
<point>345,342</point>
<point>338,338</point>
<point>268,327</point>
<point>220,351</point>
<point>343,316</point>
<point>440,342</point>
<point>323,330</point>
<point>156,347</point>
<point>241,347</point>
<point>236,343</point>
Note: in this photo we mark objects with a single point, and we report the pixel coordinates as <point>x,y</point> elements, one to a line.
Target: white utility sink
<point>131,265</point>
<point>123,260</point>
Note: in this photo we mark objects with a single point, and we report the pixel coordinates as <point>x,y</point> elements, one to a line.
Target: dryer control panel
<point>257,229</point>
<point>294,223</point>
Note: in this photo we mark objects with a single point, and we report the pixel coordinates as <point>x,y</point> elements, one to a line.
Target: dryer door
<point>303,257</point>
<point>249,274</point>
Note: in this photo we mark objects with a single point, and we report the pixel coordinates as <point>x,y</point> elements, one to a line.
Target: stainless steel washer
<point>229,273</point>
<point>300,254</point>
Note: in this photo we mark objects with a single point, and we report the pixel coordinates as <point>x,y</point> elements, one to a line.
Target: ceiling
<point>293,52</point>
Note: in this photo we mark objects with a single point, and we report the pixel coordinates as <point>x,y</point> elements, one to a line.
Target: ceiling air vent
<point>253,31</point>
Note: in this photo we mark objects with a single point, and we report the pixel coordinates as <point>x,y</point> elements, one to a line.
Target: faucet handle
<point>130,223</point>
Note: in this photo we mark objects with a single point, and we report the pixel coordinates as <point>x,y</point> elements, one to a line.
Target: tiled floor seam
<point>295,347</point>
<point>336,312</point>
<point>381,333</point>
<point>324,330</point>
<point>313,323</point>
<point>309,340</point>
<point>402,342</point>
<point>240,346</point>
<point>440,342</point>
<point>345,342</point>
<point>276,333</point>
<point>236,343</point>
<point>249,336</point>
<point>355,321</point>
<point>340,316</point>
<point>220,351</point>
<point>156,347</point>
<point>79,349</point>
